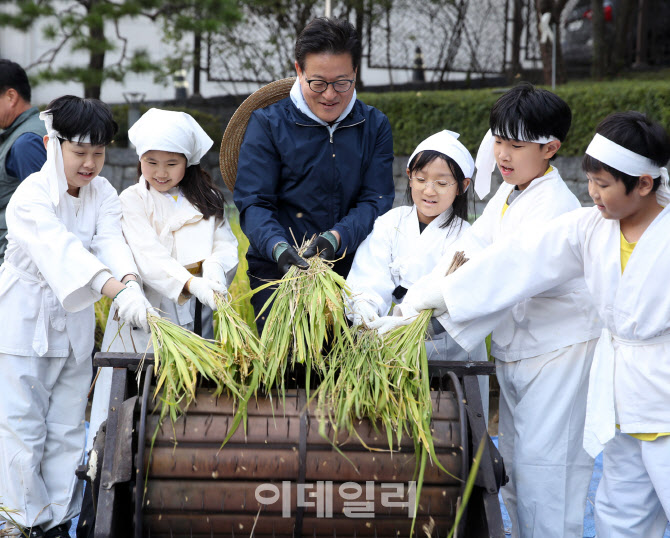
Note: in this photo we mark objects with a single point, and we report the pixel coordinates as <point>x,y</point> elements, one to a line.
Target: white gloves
<point>132,305</point>
<point>213,271</point>
<point>388,323</point>
<point>204,288</point>
<point>363,313</point>
<point>426,294</point>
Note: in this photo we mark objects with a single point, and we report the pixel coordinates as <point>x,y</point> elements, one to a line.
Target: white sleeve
<point>370,277</point>
<point>66,265</point>
<point>157,268</point>
<point>510,271</point>
<point>224,251</point>
<point>108,243</point>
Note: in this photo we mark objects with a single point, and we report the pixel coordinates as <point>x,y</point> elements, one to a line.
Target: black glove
<point>325,246</point>
<point>288,257</point>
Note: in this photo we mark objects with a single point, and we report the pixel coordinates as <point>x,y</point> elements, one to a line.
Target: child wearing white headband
<point>543,345</point>
<point>173,220</point>
<point>407,241</point>
<point>65,249</point>
<point>620,247</point>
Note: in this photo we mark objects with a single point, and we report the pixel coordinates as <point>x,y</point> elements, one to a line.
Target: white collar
<point>299,101</point>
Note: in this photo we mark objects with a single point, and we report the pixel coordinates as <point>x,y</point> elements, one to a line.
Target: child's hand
<point>132,306</point>
<point>364,313</point>
<point>425,295</point>
<point>388,323</point>
<point>203,289</point>
<point>211,270</point>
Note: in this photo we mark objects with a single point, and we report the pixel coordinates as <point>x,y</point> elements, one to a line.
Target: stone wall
<point>121,170</point>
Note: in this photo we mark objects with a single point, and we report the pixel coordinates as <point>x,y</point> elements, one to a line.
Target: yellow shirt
<point>626,251</point>
<point>506,205</point>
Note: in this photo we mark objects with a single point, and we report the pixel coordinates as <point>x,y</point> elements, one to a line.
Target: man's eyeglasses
<point>440,186</point>
<point>320,86</point>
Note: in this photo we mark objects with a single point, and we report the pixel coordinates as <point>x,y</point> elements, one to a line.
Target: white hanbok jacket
<point>396,254</point>
<point>631,366</point>
<point>53,255</point>
<point>553,318</point>
<point>166,237</point>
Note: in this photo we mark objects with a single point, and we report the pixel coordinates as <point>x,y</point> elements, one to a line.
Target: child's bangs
<point>591,164</point>
<point>509,126</point>
<point>94,125</point>
<point>77,119</point>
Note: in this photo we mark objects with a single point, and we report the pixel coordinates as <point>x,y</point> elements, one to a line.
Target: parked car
<point>577,31</point>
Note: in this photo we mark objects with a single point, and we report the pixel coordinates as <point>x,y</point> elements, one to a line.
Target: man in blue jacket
<point>21,147</point>
<point>316,163</point>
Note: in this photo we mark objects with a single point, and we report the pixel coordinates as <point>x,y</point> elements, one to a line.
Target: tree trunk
<point>96,59</point>
<point>197,51</point>
<point>517,28</point>
<point>641,48</point>
<point>621,52</point>
<point>555,7</point>
<point>599,58</point>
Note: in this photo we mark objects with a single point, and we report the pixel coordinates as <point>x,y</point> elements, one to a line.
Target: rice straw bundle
<point>180,356</point>
<point>240,345</point>
<point>408,344</point>
<point>358,386</point>
<point>307,310</point>
<point>238,341</point>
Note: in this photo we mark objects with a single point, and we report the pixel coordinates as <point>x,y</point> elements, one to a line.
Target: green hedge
<point>211,124</point>
<point>416,115</point>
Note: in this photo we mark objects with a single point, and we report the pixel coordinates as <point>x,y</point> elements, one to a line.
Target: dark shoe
<point>59,531</point>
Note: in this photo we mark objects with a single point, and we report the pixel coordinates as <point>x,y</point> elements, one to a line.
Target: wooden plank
<point>282,464</point>
<point>444,405</point>
<point>178,525</point>
<point>106,524</point>
<point>285,431</point>
<point>194,497</point>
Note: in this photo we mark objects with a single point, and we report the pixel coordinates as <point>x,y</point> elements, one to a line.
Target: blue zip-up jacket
<point>293,176</point>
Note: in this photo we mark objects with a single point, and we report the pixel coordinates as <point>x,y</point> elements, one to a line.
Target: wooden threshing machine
<point>284,479</point>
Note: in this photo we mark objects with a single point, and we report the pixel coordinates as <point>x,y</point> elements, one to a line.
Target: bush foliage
<point>211,124</point>
<point>416,115</point>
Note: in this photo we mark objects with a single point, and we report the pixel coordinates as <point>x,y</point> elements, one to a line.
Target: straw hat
<point>232,138</point>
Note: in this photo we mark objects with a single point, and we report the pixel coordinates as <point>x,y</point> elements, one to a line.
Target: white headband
<point>168,130</point>
<point>486,162</point>
<point>446,143</point>
<point>629,162</point>
<point>54,164</point>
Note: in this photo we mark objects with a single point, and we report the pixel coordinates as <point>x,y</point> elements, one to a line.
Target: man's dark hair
<point>636,132</point>
<point>13,76</point>
<point>74,117</point>
<point>332,36</point>
<point>527,113</point>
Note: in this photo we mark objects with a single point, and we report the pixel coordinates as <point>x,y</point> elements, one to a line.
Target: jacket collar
<point>20,119</point>
<point>354,116</point>
<point>298,99</point>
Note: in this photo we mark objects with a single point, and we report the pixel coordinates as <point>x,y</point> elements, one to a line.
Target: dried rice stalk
<point>458,260</point>
<point>240,345</point>
<point>180,356</point>
<point>307,313</point>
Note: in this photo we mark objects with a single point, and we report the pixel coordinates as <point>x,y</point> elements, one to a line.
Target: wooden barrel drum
<point>282,478</point>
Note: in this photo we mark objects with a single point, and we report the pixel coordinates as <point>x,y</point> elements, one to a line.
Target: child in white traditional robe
<point>65,248</point>
<point>544,344</point>
<point>407,241</point>
<point>173,220</point>
<point>621,248</point>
